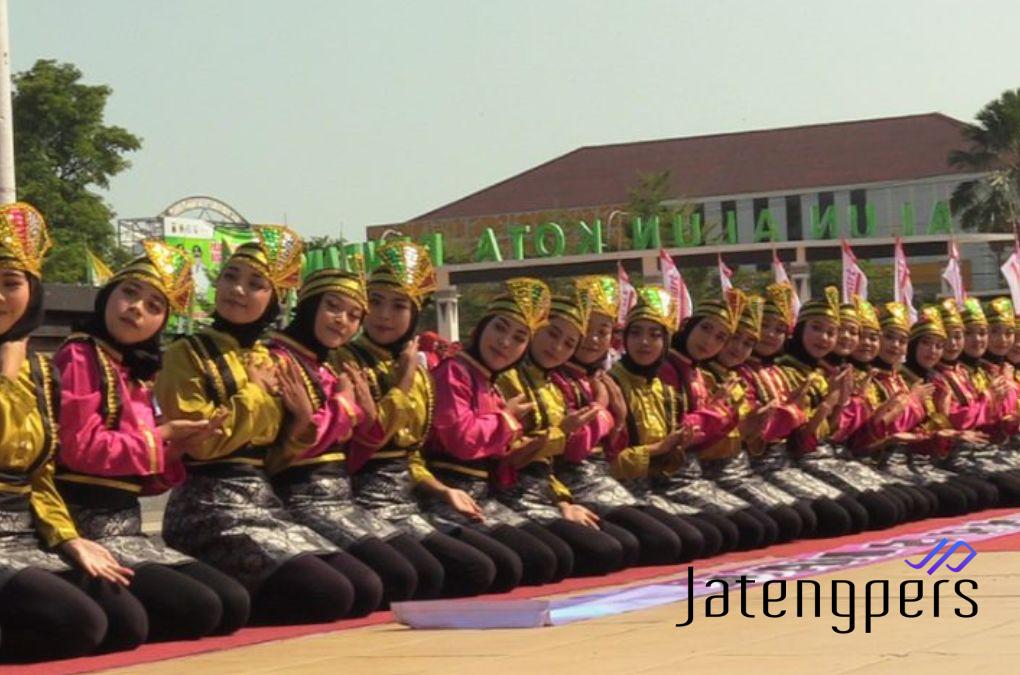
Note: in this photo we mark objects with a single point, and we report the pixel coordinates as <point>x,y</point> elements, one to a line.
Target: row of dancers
<point>323,470</point>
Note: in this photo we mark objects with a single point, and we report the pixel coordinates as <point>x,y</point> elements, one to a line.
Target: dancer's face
<point>242,293</point>
<point>773,336</point>
<point>849,336</point>
<point>954,345</point>
<point>597,340</point>
<point>867,346</point>
<point>737,349</point>
<point>1014,353</point>
<point>502,343</point>
<point>1000,339</point>
<point>645,342</point>
<point>707,339</point>
<point>337,319</point>
<point>820,337</point>
<point>929,351</point>
<point>975,340</point>
<point>15,293</point>
<point>389,315</point>
<point>135,311</point>
<point>554,343</point>
<point>892,346</point>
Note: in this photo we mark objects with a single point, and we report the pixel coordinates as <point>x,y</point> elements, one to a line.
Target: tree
<point>991,203</point>
<point>63,151</point>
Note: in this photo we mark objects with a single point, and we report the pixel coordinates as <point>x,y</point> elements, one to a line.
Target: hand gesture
<point>600,393</point>
<point>12,355</point>
<point>576,513</point>
<point>464,504</point>
<point>519,406</point>
<point>523,454</point>
<point>617,403</point>
<point>295,396</point>
<point>407,360</point>
<point>578,419</point>
<point>362,392</point>
<point>96,561</point>
<point>264,375</point>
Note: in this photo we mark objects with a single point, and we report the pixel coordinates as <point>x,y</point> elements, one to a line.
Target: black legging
<point>510,568</point>
<point>1008,485</point>
<point>950,500</point>
<point>833,519</point>
<point>788,522</point>
<point>808,518</point>
<point>43,616</point>
<point>304,589</point>
<point>729,531</point>
<point>768,527</point>
<point>595,553</point>
<point>368,587</point>
<point>542,555</point>
<point>986,491</point>
<point>918,502</point>
<point>659,545</point>
<point>882,512</point>
<point>698,537</point>
<point>858,514</point>
<point>466,570</point>
<point>629,543</point>
<point>190,601</point>
<point>398,576</point>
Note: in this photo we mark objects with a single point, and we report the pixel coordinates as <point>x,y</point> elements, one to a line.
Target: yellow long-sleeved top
<point>27,446</point>
<point>547,415</point>
<point>205,372</point>
<point>651,417</point>
<point>403,420</point>
<point>715,375</point>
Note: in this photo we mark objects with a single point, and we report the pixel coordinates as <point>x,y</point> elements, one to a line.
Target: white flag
<point>628,296</point>
<point>1011,270</point>
<point>854,280</point>
<point>953,275</point>
<point>781,277</point>
<point>725,276</point>
<point>903,289</point>
<point>674,283</point>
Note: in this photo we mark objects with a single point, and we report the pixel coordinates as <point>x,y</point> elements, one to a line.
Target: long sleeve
<point>626,460</point>
<point>53,520</point>
<point>462,429</point>
<point>86,444</point>
<point>253,414</point>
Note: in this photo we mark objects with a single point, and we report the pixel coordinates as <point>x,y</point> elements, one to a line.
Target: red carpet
<point>250,636</point>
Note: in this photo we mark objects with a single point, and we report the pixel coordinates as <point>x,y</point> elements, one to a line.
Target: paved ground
<point>649,642</point>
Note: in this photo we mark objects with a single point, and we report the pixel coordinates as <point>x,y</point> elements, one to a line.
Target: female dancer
<point>315,486</point>
<point>582,467</point>
<point>651,454</point>
<point>478,434</point>
<point>112,450</point>
<point>386,469</point>
<point>60,593</point>
<point>225,513</point>
<point>763,418</point>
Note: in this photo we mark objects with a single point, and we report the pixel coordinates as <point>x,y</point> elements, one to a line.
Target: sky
<point>335,114</point>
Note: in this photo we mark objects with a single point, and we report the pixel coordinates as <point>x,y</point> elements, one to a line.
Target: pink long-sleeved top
<point>471,424</point>
<point>1001,420</point>
<point>714,421</point>
<point>107,423</point>
<point>764,384</point>
<point>337,416</point>
<point>575,384</point>
<point>885,385</point>
<point>968,409</point>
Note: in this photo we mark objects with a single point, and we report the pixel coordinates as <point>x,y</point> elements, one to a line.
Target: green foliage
<point>63,151</point>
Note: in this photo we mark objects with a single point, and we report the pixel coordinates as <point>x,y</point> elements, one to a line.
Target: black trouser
<point>466,570</point>
<point>833,520</point>
<point>808,518</point>
<point>43,616</point>
<point>305,589</point>
<point>788,522</point>
<point>659,545</point>
<point>427,571</point>
<point>501,546</point>
<point>757,529</point>
<point>189,601</point>
<point>368,587</point>
<point>882,511</point>
<point>986,491</point>
<point>398,576</point>
<point>595,552</point>
<point>698,538</point>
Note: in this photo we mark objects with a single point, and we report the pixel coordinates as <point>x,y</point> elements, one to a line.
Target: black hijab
<point>302,328</point>
<point>34,313</point>
<point>474,351</point>
<point>247,334</point>
<point>649,371</point>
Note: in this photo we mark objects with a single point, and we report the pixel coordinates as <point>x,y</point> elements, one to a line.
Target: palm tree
<point>991,203</point>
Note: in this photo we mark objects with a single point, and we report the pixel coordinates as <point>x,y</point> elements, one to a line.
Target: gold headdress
<point>525,300</point>
<point>655,304</point>
<point>276,254</point>
<point>972,313</point>
<point>334,280</point>
<point>24,238</point>
<point>929,322</point>
<point>166,268</point>
<point>826,308</point>
<point>406,266</point>
<point>950,311</point>
<point>574,308</point>
<point>866,313</point>
<point>1000,311</point>
<point>894,315</point>
<point>603,294</point>
<point>751,317</point>
<point>779,302</point>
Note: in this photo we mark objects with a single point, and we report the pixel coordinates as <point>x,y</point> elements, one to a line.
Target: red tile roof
<point>750,162</point>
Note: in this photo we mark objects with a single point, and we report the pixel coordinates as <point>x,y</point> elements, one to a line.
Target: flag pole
<point>8,192</point>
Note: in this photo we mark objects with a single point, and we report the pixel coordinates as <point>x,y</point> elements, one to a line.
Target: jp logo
<point>945,556</point>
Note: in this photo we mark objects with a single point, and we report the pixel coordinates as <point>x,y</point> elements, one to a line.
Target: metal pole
<point>7,188</point>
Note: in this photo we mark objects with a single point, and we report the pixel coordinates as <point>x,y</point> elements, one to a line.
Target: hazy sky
<point>359,113</point>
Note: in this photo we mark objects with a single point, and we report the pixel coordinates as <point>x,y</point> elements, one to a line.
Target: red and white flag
<point>674,283</point>
<point>781,277</point>
<point>628,296</point>
<point>903,289</point>
<point>854,280</point>
<point>725,276</point>
<point>1011,270</point>
<point>953,276</point>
